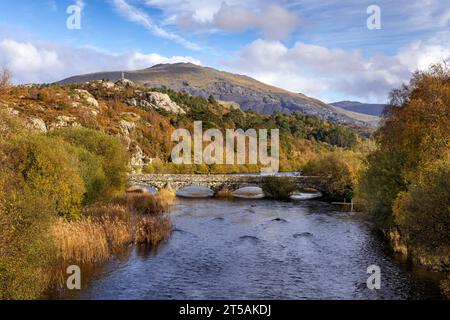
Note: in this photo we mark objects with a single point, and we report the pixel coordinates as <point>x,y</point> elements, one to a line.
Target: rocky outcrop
<point>87,98</point>
<point>63,122</point>
<point>155,101</point>
<point>37,124</point>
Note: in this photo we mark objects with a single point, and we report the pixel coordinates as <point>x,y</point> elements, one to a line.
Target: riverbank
<point>433,261</point>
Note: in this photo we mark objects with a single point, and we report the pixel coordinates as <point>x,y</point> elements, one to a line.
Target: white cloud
<point>323,72</point>
<point>37,63</point>
<point>135,15</point>
<point>272,20</point>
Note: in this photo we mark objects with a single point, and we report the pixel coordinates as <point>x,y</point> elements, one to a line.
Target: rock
<point>154,100</point>
<point>37,124</point>
<point>124,83</point>
<point>132,102</point>
<point>64,121</point>
<point>162,101</point>
<point>127,127</point>
<point>138,158</point>
<point>88,98</point>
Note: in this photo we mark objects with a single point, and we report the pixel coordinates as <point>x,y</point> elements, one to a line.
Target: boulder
<point>127,127</point>
<point>162,101</point>
<point>155,101</point>
<point>88,98</point>
<point>37,124</point>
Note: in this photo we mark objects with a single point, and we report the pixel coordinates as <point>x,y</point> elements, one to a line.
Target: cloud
<point>272,20</point>
<point>135,15</point>
<point>323,72</point>
<point>43,63</point>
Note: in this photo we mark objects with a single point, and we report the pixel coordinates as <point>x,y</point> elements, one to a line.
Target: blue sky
<point>321,48</point>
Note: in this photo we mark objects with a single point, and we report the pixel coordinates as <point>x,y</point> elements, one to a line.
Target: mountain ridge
<point>372,109</point>
<point>249,93</point>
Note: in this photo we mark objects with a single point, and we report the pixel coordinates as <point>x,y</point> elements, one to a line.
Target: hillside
<point>363,108</point>
<point>200,81</point>
<point>144,119</point>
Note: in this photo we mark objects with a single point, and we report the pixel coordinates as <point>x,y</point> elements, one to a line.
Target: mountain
<point>249,93</point>
<point>364,108</point>
<point>363,117</point>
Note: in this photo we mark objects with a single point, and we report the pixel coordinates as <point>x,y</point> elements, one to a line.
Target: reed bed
<point>107,229</point>
<point>152,230</point>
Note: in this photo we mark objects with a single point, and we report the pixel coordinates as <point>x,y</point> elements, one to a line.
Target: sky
<point>325,49</point>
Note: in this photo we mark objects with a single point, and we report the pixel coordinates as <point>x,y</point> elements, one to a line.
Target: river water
<point>259,249</point>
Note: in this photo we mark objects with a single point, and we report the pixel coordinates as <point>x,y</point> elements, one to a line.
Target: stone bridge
<point>216,182</point>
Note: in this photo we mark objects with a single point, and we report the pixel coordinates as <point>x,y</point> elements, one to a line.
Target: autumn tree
<point>414,135</point>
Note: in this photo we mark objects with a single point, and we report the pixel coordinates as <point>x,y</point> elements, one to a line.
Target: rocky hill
<point>144,119</point>
<point>200,81</point>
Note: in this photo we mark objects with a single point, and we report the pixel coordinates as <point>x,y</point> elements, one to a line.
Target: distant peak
<point>178,64</point>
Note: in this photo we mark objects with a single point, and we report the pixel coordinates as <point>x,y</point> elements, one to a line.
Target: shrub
<point>111,155</point>
<point>25,216</point>
<point>47,167</point>
<point>338,172</point>
<point>278,187</point>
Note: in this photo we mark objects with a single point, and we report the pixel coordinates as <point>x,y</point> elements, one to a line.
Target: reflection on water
<point>260,249</point>
<point>306,196</point>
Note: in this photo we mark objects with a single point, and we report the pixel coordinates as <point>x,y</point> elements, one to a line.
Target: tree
<point>414,134</point>
<point>5,80</point>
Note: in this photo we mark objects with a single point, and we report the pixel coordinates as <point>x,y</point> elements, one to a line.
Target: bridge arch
<point>216,182</point>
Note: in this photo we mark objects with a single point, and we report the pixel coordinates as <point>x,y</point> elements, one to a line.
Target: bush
<point>278,187</point>
<point>423,213</point>
<point>104,150</point>
<point>338,172</point>
<point>47,167</point>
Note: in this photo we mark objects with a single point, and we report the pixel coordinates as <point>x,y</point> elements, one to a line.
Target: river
<point>259,249</point>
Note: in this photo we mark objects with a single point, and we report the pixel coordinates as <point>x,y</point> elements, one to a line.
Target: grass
<point>105,230</point>
<point>152,230</point>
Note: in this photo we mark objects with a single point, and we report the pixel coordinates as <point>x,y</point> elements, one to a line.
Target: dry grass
<point>83,241</point>
<point>108,229</point>
<point>147,204</point>
<point>152,230</point>
<point>166,197</point>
